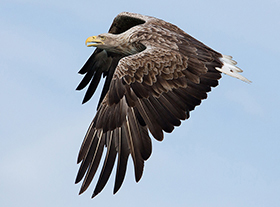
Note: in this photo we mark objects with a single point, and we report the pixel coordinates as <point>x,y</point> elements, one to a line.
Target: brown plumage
<point>155,75</point>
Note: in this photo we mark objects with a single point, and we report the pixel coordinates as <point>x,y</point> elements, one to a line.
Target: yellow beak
<point>93,39</point>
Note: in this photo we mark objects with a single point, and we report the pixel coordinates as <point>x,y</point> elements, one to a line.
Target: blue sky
<point>226,154</point>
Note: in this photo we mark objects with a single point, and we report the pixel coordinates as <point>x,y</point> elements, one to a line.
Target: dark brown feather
<point>153,90</point>
<point>123,153</point>
<point>164,112</point>
<point>94,162</point>
<point>92,86</point>
<point>88,159</point>
<point>90,62</point>
<point>109,78</point>
<point>134,142</point>
<point>108,163</point>
<point>86,143</point>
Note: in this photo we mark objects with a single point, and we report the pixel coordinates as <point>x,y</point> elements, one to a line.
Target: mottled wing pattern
<point>152,90</point>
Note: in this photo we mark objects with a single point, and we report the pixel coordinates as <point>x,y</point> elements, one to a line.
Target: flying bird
<point>155,75</point>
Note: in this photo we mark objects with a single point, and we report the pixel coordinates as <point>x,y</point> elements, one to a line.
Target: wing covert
<point>149,91</point>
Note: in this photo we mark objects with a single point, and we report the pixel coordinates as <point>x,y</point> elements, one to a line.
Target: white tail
<point>230,68</point>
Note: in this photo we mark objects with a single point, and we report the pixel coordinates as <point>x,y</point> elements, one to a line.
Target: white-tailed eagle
<point>155,75</point>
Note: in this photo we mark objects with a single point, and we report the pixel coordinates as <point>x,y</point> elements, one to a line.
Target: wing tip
<point>93,195</point>
<point>116,190</point>
<point>77,180</point>
<point>86,99</point>
<point>82,190</point>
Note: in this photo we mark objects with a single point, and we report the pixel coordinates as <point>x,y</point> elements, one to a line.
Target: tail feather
<point>230,68</point>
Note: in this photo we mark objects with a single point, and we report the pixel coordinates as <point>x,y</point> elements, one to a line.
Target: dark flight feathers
<point>152,90</point>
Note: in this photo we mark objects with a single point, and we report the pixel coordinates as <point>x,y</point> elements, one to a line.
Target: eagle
<point>155,75</point>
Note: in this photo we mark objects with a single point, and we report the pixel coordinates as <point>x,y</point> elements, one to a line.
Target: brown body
<point>155,75</point>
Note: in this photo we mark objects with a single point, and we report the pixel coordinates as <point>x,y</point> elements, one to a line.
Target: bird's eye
<point>102,37</point>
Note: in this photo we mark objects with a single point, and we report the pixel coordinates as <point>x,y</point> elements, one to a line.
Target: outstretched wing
<point>100,62</point>
<point>151,90</point>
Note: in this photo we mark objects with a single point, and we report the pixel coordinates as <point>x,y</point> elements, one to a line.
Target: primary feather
<point>155,75</point>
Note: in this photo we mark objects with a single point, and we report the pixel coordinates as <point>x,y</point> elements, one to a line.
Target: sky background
<point>226,154</point>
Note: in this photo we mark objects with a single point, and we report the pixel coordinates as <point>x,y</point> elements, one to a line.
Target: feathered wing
<point>152,90</point>
<point>104,63</point>
<point>97,64</point>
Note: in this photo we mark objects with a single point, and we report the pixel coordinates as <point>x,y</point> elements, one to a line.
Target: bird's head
<point>117,43</point>
<point>103,41</point>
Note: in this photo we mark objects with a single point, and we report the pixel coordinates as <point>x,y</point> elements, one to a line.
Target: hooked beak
<point>93,39</point>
